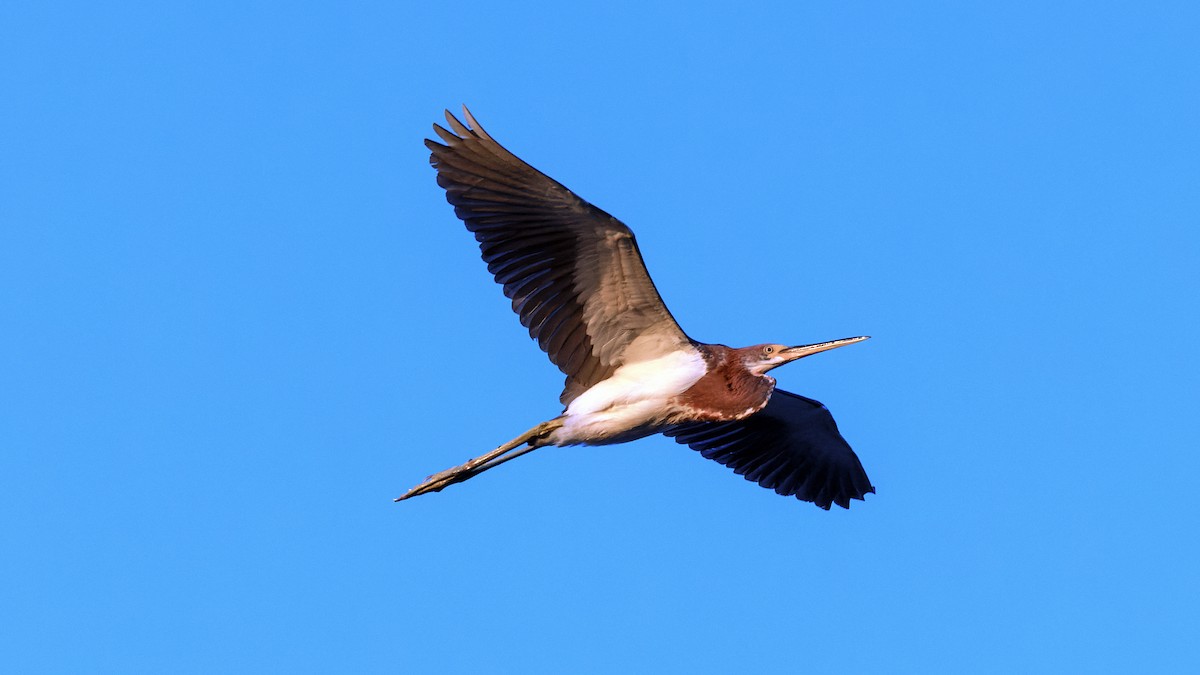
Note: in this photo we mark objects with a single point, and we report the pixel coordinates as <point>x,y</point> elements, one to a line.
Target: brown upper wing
<point>573,272</point>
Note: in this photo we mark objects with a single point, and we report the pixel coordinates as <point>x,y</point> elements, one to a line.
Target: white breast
<point>632,402</point>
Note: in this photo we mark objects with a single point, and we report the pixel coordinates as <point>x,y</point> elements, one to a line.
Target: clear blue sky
<point>239,317</point>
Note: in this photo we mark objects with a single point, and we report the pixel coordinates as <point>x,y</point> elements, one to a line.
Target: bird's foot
<point>443,479</point>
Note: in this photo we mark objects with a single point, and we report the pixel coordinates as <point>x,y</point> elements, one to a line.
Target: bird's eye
<point>767,351</point>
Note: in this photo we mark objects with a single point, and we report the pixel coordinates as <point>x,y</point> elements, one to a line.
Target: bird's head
<point>761,358</point>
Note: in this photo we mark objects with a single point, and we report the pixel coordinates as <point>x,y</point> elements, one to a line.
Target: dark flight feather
<point>792,446</point>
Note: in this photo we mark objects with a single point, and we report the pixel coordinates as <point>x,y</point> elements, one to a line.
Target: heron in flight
<point>577,281</point>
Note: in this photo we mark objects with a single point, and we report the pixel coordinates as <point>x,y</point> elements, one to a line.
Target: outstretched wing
<point>791,446</point>
<point>573,272</point>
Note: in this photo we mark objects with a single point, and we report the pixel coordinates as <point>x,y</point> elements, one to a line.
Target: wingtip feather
<point>478,128</point>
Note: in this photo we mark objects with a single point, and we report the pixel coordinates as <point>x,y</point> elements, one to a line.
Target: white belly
<point>632,403</point>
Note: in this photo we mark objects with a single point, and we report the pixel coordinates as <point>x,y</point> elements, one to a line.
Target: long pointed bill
<point>793,353</point>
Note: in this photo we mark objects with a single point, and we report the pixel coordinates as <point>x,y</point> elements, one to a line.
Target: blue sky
<point>239,318</point>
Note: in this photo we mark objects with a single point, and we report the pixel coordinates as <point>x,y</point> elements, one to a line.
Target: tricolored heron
<point>578,283</point>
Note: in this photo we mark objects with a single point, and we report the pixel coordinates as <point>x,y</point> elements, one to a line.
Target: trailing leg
<point>526,442</point>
